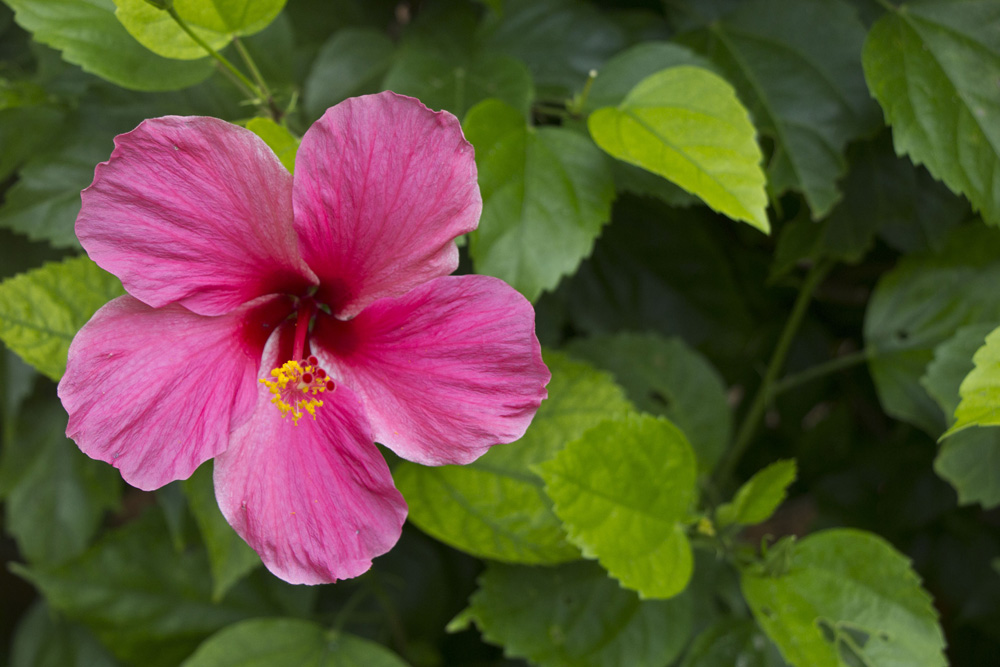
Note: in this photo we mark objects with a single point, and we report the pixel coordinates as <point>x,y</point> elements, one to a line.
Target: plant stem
<point>819,370</point>
<point>251,89</point>
<point>275,112</point>
<point>765,392</point>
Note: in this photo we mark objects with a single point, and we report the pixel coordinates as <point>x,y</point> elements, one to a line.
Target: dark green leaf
<point>920,304</point>
<point>846,598</point>
<point>926,63</point>
<point>496,507</point>
<point>665,376</point>
<point>45,639</point>
<point>268,642</point>
<point>55,497</point>
<point>150,604</point>
<point>797,66</point>
<point>574,616</point>
<point>440,82</point>
<point>624,491</point>
<point>352,62</point>
<point>732,642</point>
<point>41,311</point>
<point>559,40</point>
<point>229,556</point>
<point>89,35</point>
<point>546,194</point>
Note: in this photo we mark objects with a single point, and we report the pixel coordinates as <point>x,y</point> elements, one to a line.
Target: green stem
<point>276,113</point>
<point>819,370</point>
<point>765,392</point>
<point>251,89</point>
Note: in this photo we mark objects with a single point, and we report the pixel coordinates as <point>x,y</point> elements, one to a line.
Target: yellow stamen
<point>293,394</point>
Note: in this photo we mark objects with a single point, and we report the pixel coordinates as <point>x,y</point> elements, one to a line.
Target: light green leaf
<point>55,497</point>
<point>214,21</point>
<point>624,72</point>
<point>686,124</point>
<point>284,144</point>
<point>495,507</point>
<point>229,556</point>
<point>732,642</point>
<point>437,80</point>
<point>624,491</point>
<point>41,311</point>
<point>89,35</point>
<point>44,639</point>
<point>665,376</point>
<point>980,390</point>
<point>575,616</point>
<point>922,303</point>
<point>926,64</point>
<point>759,496</point>
<point>546,194</point>
<point>797,67</point>
<point>952,362</point>
<point>264,642</point>
<point>846,598</point>
<point>147,602</point>
<point>352,62</point>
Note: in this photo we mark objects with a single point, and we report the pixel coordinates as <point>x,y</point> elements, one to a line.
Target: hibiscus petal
<point>382,187</point>
<point>445,371</point>
<point>155,392</point>
<point>314,499</point>
<point>193,210</point>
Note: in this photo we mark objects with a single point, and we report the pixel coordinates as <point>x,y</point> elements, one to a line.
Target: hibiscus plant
<point>569,333</point>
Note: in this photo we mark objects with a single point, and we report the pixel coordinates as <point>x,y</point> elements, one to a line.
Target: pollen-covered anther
<point>295,385</point>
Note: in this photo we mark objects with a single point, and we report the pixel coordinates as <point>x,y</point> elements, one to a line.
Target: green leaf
<point>284,144</point>
<point>574,616</point>
<point>559,40</point>
<point>665,376</point>
<point>89,35</point>
<point>496,507</point>
<point>624,72</point>
<point>686,124</point>
<point>147,602</point>
<point>624,492</point>
<point>759,496</point>
<point>797,67</point>
<point>352,62</point>
<point>847,598</point>
<point>24,130</point>
<point>45,639</point>
<point>952,362</point>
<point>44,202</point>
<point>41,310</point>
<point>262,642</point>
<point>437,80</point>
<point>920,304</point>
<point>732,642</point>
<point>229,556</point>
<point>980,390</point>
<point>55,497</point>
<point>970,462</point>
<point>546,194</point>
<point>926,64</point>
<point>214,21</point>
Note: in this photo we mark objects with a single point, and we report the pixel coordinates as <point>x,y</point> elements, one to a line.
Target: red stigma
<point>307,377</point>
<point>329,385</point>
<point>313,361</point>
<point>320,373</point>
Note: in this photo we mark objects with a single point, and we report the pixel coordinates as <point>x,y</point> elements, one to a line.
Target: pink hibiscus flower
<point>284,324</point>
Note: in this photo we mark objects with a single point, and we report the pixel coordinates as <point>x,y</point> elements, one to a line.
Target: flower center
<point>295,386</point>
